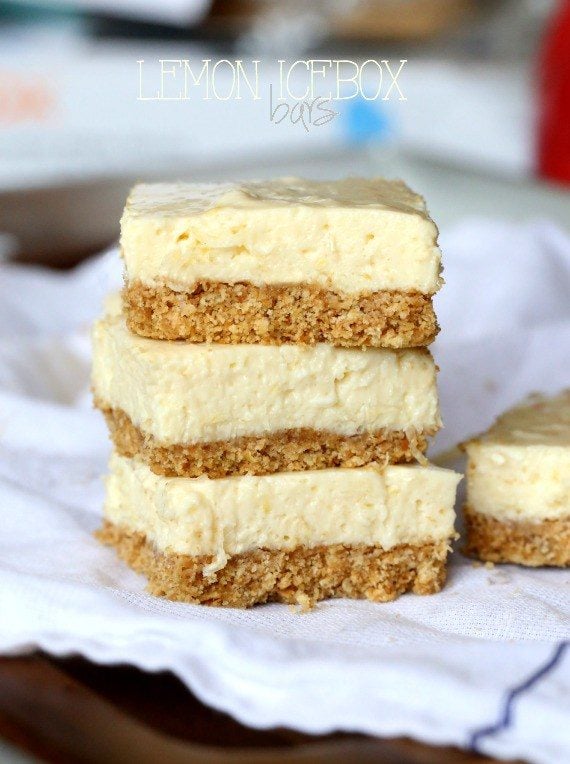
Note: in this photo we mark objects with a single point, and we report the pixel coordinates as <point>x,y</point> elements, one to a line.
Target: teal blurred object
<point>33,13</point>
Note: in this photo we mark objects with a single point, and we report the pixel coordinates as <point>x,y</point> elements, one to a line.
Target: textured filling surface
<point>280,314</point>
<point>186,392</point>
<point>301,576</point>
<point>286,451</point>
<point>222,518</point>
<point>546,542</point>
<point>349,235</point>
<point>519,470</point>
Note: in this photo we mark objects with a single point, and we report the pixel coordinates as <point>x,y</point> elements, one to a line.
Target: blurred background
<point>483,129</point>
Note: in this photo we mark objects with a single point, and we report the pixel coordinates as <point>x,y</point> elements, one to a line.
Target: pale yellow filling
<point>189,393</point>
<point>520,468</point>
<point>353,235</point>
<point>199,516</point>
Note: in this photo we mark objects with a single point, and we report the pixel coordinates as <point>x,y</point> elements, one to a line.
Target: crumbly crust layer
<point>280,314</point>
<point>526,543</point>
<point>302,576</point>
<point>285,451</point>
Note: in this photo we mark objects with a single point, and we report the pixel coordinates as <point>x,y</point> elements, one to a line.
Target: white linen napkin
<point>481,665</point>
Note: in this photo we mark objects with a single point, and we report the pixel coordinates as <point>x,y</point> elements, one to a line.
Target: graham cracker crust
<point>284,451</point>
<point>524,543</point>
<point>280,314</point>
<point>300,576</point>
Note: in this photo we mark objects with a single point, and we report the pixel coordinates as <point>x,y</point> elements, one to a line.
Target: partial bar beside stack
<point>265,395</point>
<point>518,485</point>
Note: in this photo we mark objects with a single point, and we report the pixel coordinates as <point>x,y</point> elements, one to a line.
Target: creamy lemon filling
<point>189,393</point>
<point>520,468</point>
<point>351,236</point>
<point>221,518</point>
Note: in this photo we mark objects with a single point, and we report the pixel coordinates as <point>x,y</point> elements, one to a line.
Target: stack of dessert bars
<point>269,394</point>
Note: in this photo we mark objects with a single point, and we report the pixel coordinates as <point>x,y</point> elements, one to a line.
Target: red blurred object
<point>554,99</point>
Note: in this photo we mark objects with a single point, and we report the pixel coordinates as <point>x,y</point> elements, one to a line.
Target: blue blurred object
<point>365,121</point>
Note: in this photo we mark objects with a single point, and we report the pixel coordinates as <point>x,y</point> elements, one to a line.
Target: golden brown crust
<point>300,576</point>
<point>526,543</point>
<point>280,314</point>
<point>285,451</point>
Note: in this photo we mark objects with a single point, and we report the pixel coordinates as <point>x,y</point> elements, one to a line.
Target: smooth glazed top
<point>539,420</point>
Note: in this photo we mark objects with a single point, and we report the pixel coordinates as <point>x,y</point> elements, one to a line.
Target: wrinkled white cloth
<point>481,665</point>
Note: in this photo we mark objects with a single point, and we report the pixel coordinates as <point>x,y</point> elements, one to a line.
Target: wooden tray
<point>70,711</point>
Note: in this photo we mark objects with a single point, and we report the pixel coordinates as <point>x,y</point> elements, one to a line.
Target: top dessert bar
<point>352,263</point>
